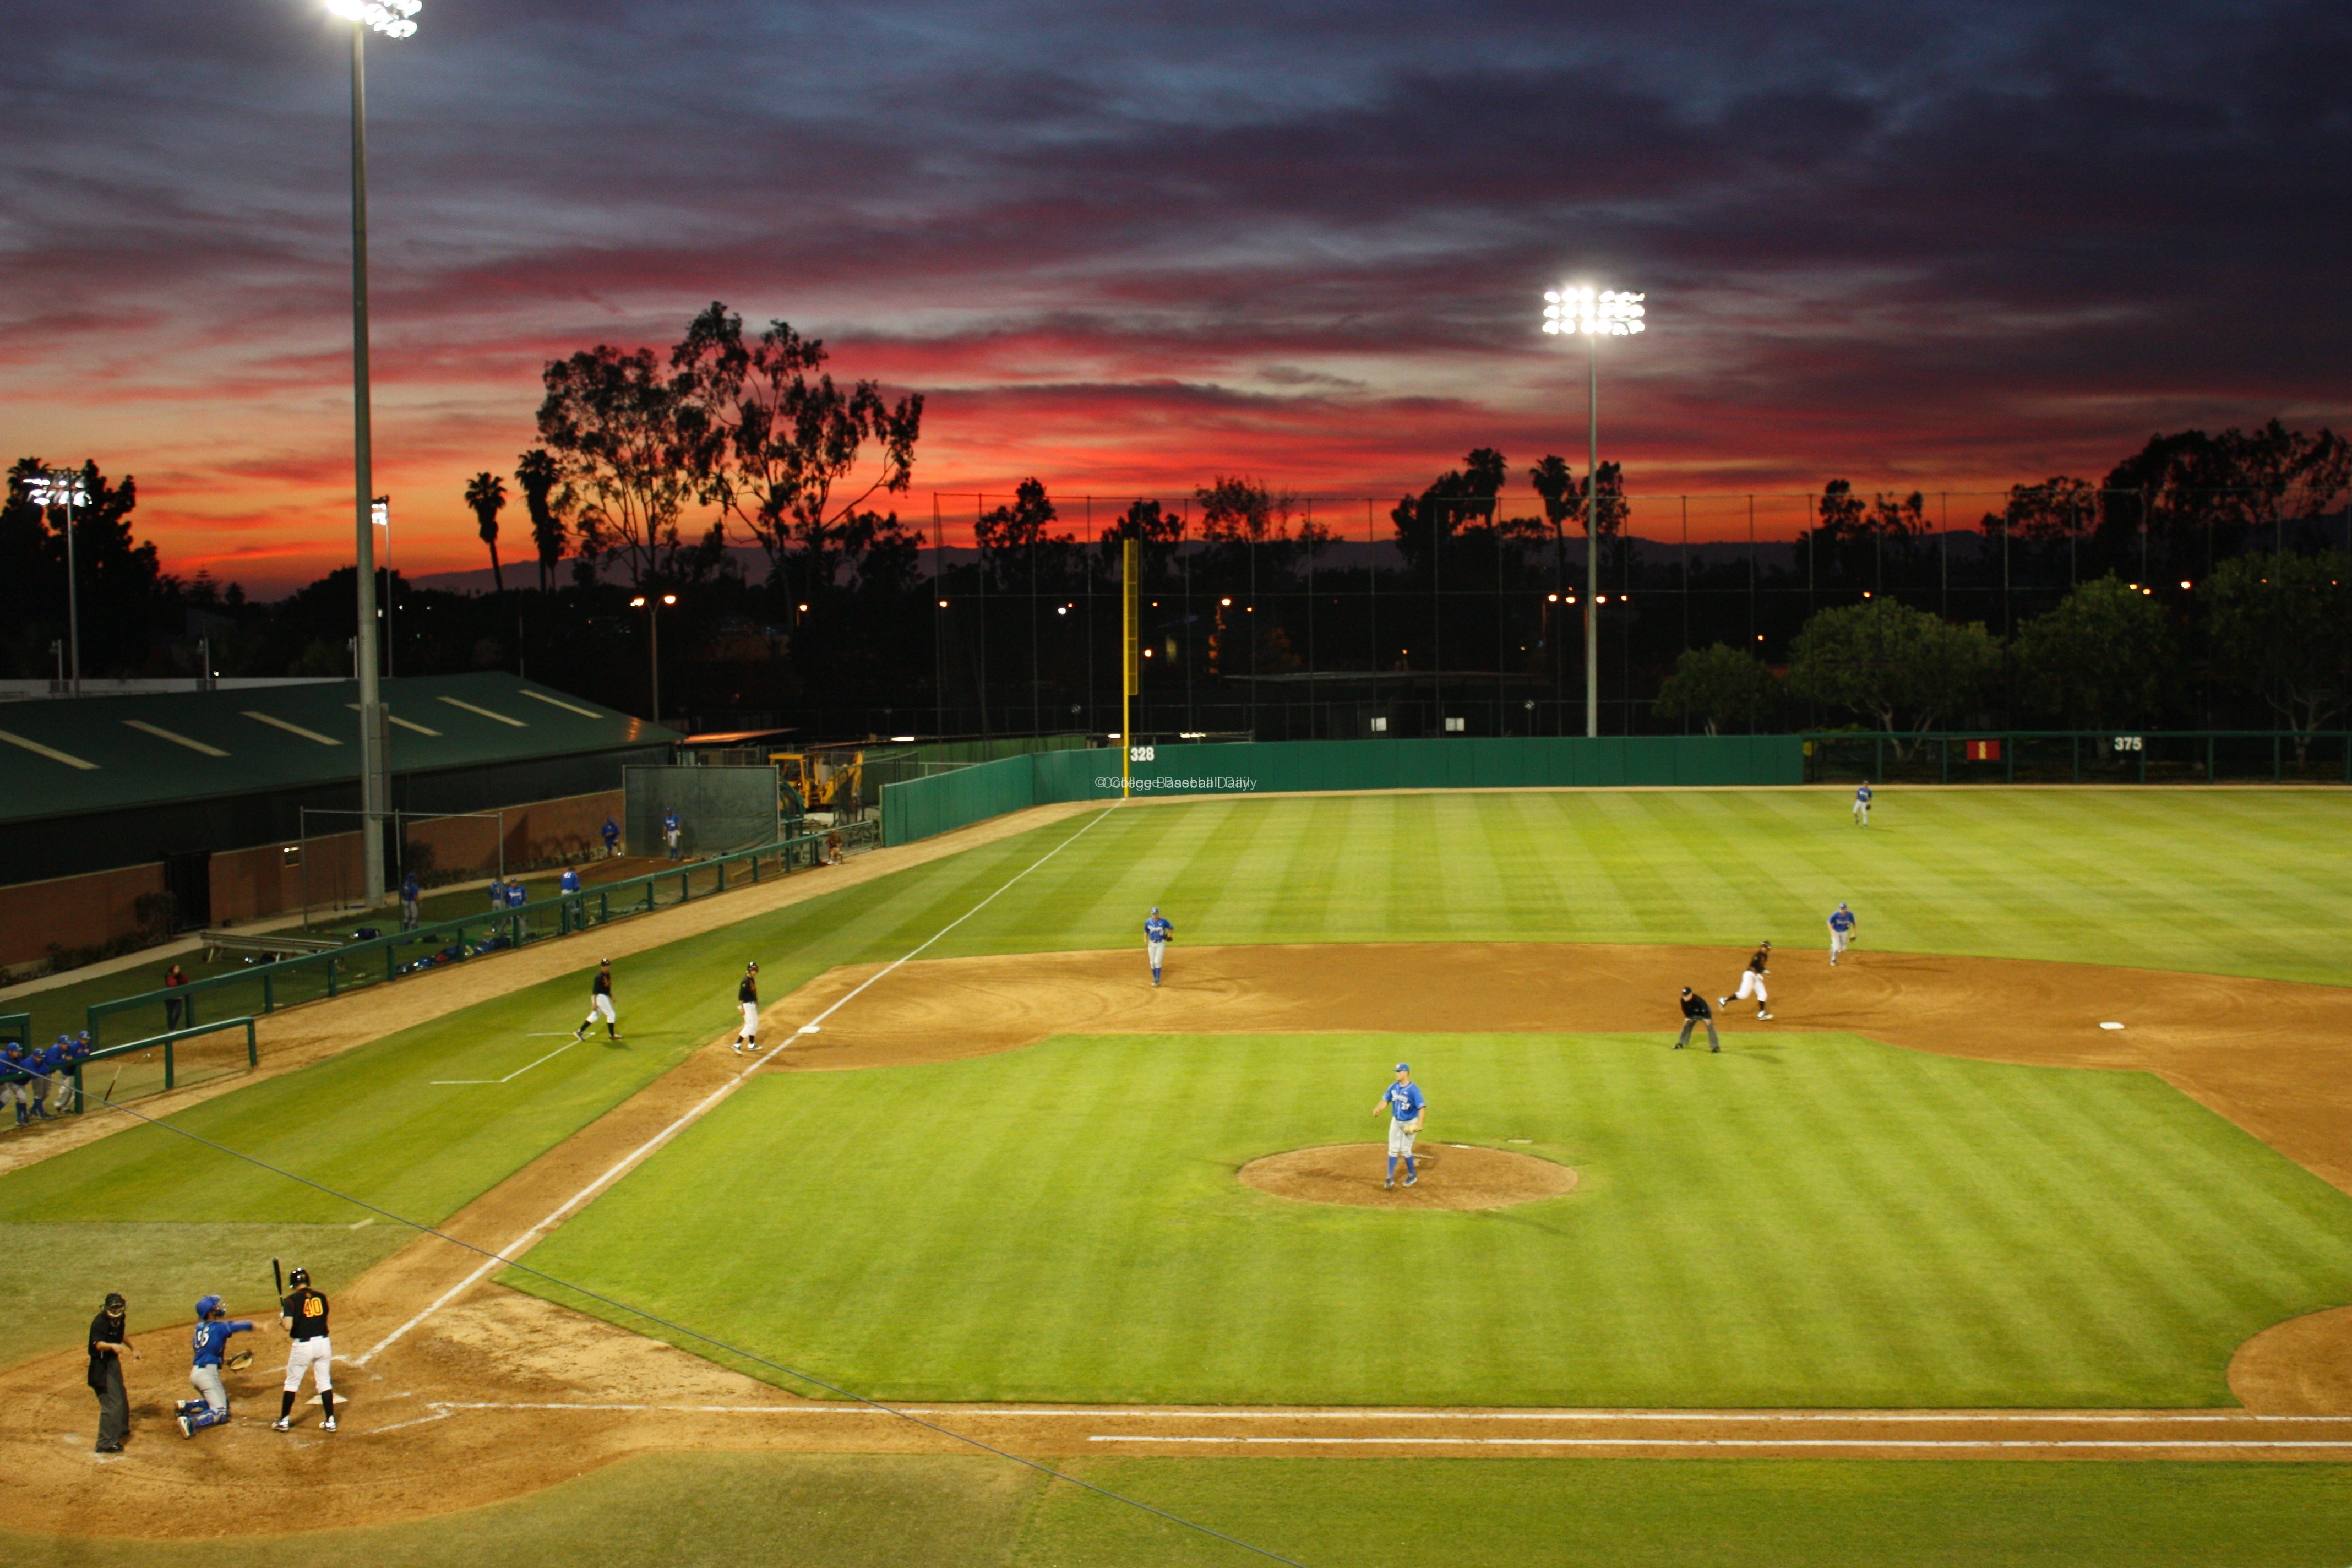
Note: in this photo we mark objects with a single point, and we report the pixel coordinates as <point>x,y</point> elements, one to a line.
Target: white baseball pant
<point>750,1019</point>
<point>1751,984</point>
<point>1837,943</point>
<point>1400,1140</point>
<point>601,1006</point>
<point>313,1357</point>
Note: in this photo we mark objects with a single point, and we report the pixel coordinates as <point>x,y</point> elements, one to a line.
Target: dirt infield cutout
<point>1453,1176</point>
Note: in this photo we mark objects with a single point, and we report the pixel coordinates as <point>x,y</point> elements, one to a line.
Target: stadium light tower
<point>393,19</point>
<point>46,488</point>
<point>1608,313</point>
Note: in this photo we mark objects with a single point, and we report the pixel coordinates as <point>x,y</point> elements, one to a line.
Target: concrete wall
<point>92,910</point>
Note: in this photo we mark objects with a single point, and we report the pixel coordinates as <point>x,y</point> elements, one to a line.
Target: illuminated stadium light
<point>393,18</point>
<point>1607,313</point>
<point>1580,310</point>
<point>56,487</point>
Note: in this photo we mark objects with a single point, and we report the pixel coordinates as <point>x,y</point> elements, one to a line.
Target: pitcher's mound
<point>1453,1176</point>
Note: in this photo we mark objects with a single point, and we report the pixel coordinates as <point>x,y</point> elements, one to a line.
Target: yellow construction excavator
<point>826,778</point>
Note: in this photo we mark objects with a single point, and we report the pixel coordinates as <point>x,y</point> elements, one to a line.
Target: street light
<point>46,488</point>
<point>380,516</point>
<point>393,19</point>
<point>1609,313</point>
<point>652,608</point>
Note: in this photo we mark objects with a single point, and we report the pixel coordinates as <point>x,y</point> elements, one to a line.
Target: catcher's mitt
<point>240,1361</point>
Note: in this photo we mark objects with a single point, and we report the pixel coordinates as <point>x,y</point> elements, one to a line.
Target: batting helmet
<point>300,1277</point>
<point>754,966</point>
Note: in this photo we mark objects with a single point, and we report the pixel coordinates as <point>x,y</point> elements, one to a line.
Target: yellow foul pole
<point>1131,644</point>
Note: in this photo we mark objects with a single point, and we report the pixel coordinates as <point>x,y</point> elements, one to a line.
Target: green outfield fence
<point>2080,756</point>
<point>919,808</point>
<point>263,988</point>
<point>16,1027</point>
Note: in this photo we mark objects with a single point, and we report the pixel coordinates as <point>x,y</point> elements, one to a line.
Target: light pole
<point>380,516</point>
<point>1609,313</point>
<point>652,608</point>
<point>47,488</point>
<point>393,19</point>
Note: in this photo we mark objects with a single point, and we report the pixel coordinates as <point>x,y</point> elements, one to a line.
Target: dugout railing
<point>264,988</point>
<point>2079,756</point>
<point>159,1064</point>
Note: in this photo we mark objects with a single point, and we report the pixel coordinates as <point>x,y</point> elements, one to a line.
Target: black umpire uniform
<point>106,1347</point>
<point>1696,1012</point>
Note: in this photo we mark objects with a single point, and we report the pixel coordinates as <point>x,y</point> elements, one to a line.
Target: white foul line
<point>518,1072</point>
<point>622,1166</point>
<point>2038,1443</point>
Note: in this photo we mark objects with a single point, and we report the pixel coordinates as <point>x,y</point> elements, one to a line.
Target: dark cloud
<point>1157,241</point>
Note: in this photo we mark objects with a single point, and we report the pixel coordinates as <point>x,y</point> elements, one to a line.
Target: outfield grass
<point>738,1511</point>
<point>1805,1220</point>
<point>2219,880</point>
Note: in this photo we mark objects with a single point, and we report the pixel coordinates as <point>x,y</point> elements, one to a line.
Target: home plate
<point>2111,1026</point>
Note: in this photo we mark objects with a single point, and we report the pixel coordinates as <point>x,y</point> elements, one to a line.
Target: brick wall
<point>88,912</point>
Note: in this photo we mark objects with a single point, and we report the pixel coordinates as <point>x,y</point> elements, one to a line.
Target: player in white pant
<point>747,996</point>
<point>600,1003</point>
<point>1862,805</point>
<point>1751,983</point>
<point>1841,931</point>
<point>303,1314</point>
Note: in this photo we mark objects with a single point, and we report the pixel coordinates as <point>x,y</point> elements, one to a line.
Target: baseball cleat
<point>1412,1179</point>
<point>281,1425</point>
<point>328,1424</point>
<point>1387,1185</point>
<point>737,1048</point>
<point>182,1422</point>
<point>1763,1015</point>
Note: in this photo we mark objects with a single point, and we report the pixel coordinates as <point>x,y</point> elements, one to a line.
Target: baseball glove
<point>240,1361</point>
<point>1413,1126</point>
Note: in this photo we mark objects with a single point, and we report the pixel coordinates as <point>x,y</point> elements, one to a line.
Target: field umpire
<point>1696,1012</point>
<point>106,1347</point>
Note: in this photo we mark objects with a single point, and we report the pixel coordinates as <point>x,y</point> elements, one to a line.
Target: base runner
<point>1751,983</point>
<point>303,1314</point>
<point>1402,1103</point>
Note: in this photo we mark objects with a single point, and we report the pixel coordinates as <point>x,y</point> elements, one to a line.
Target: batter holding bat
<point>303,1314</point>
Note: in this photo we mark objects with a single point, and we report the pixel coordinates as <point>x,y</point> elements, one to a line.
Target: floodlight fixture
<point>393,18</point>
<point>1606,313</point>
<point>1580,310</point>
<point>56,487</point>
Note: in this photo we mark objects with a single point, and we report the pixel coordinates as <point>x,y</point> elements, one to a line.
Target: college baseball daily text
<point>1220,784</point>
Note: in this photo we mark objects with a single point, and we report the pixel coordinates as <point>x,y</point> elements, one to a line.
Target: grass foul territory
<point>1820,1221</point>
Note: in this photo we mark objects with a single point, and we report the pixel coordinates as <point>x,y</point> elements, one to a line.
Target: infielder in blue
<point>1862,805</point>
<point>1157,933</point>
<point>1402,1103</point>
<point>211,1344</point>
<point>1841,931</point>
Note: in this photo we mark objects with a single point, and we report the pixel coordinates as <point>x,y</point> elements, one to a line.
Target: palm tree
<point>487,494</point>
<point>536,471</point>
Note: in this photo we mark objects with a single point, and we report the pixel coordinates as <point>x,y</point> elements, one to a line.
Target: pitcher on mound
<point>1751,983</point>
<point>1402,1103</point>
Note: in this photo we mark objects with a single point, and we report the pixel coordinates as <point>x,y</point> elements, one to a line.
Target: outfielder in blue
<point>1401,1102</point>
<point>1862,805</point>
<point>210,1341</point>
<point>1157,933</point>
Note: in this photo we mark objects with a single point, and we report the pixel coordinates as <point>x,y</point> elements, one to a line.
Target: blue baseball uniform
<point>670,828</point>
<point>1157,933</point>
<point>570,880</point>
<point>210,1344</point>
<point>1403,1102</point>
<point>611,831</point>
<point>1862,806</point>
<point>1841,931</point>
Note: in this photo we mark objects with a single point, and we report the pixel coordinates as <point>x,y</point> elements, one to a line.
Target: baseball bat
<point>278,1278</point>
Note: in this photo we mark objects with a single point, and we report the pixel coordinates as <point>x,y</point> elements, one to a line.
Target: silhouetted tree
<point>1901,666</point>
<point>2281,625</point>
<point>2103,658</point>
<point>536,472</point>
<point>636,448</point>
<point>1719,686</point>
<point>1010,536</point>
<point>487,494</point>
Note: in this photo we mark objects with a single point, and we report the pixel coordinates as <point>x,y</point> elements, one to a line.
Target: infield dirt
<point>494,1394</point>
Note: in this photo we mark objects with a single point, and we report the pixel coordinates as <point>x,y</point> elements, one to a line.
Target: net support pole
<point>1130,643</point>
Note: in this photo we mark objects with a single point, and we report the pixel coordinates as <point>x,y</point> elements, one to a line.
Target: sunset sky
<point>1129,247</point>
